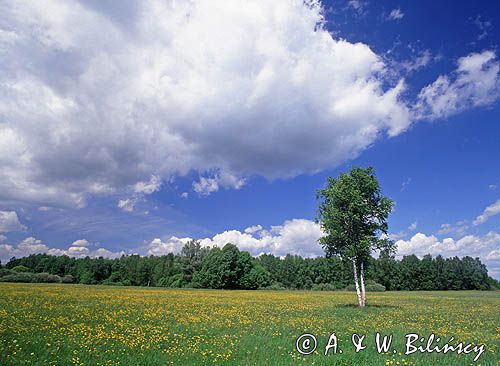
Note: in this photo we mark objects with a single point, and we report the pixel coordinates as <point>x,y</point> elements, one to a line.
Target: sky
<point>133,127</point>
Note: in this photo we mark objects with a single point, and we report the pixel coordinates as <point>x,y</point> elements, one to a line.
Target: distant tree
<point>353,214</point>
<point>428,272</point>
<point>386,271</point>
<point>191,258</point>
<point>224,268</point>
<point>256,278</point>
<point>230,268</point>
<point>411,272</point>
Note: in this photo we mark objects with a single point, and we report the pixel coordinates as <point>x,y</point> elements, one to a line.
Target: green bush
<point>109,282</point>
<point>277,286</point>
<point>68,279</point>
<point>45,277</point>
<point>18,277</point>
<point>31,277</point>
<point>370,286</point>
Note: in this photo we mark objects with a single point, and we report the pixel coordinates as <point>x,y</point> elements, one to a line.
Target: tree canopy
<point>353,214</point>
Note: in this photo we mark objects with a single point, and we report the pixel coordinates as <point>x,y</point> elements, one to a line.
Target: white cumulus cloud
<point>297,236</point>
<point>172,245</point>
<point>9,221</point>
<point>476,82</point>
<point>80,243</point>
<point>491,210</point>
<point>148,187</point>
<point>95,100</point>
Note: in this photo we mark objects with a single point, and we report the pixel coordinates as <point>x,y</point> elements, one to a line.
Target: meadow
<point>59,324</point>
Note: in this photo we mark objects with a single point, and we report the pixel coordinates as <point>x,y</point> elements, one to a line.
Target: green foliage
<point>108,282</point>
<point>191,259</point>
<point>6,271</point>
<point>18,277</point>
<point>21,269</point>
<point>68,279</point>
<point>175,281</point>
<point>224,268</point>
<point>31,277</point>
<point>266,271</point>
<point>353,214</point>
<point>256,278</point>
<point>277,286</point>
<point>371,286</point>
<point>46,278</point>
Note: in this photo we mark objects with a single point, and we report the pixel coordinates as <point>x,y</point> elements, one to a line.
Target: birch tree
<point>353,214</point>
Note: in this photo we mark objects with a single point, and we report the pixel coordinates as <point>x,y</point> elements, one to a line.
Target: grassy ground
<point>48,324</point>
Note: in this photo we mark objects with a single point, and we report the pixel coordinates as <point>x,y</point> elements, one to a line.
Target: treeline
<point>230,268</point>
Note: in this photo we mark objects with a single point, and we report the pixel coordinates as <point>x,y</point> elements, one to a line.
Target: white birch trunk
<point>360,300</point>
<point>362,278</point>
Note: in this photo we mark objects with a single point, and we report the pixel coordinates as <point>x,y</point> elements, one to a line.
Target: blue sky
<point>132,128</point>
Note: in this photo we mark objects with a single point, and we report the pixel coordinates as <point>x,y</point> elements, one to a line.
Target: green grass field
<point>54,324</point>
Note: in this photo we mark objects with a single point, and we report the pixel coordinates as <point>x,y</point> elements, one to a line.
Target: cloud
<point>402,233</point>
<point>80,243</point>
<point>297,236</point>
<point>253,229</point>
<point>206,186</point>
<point>485,247</point>
<point>184,195</point>
<point>140,190</point>
<point>493,186</point>
<point>405,184</point>
<point>483,25</point>
<point>172,245</point>
<point>75,251</point>
<point>358,5</point>
<point>149,187</point>
<point>45,208</point>
<point>457,229</point>
<point>2,237</point>
<point>127,204</point>
<point>418,62</point>
<point>6,252</point>
<point>9,222</point>
<point>96,100</point>
<point>32,245</point>
<point>102,252</point>
<point>491,210</point>
<point>396,14</point>
<point>476,83</point>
